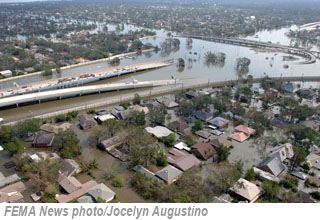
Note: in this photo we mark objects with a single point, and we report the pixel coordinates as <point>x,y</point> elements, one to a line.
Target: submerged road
<point>311,58</point>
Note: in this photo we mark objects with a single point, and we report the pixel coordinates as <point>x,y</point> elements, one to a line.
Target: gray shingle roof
<point>101,191</point>
<point>218,121</point>
<point>168,173</point>
<point>274,164</point>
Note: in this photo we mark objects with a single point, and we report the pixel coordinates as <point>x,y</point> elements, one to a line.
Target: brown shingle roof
<point>203,150</point>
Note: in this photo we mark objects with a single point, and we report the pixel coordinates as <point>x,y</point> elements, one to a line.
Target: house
<point>310,124</point>
<point>277,122</point>
<point>180,126</point>
<point>258,90</point>
<point>12,193</point>
<point>244,129</point>
<point>299,175</point>
<point>245,190</point>
<point>239,136</point>
<point>268,114</point>
<point>270,94</point>
<point>139,108</point>
<point>202,115</point>
<point>308,93</point>
<point>102,118</point>
<point>6,73</point>
<point>272,165</point>
<point>203,150</point>
<point>70,184</point>
<point>310,104</point>
<point>306,197</point>
<point>50,156</point>
<point>283,152</point>
<point>167,102</point>
<point>182,160</point>
<point>262,175</point>
<point>191,119</point>
<point>182,146</point>
<point>55,128</point>
<point>69,168</point>
<point>101,191</point>
<point>219,122</point>
<point>43,139</point>
<point>169,174</point>
<point>313,161</point>
<point>219,141</point>
<point>158,131</point>
<point>110,143</point>
<point>288,87</point>
<point>86,122</point>
<point>152,105</point>
<point>192,94</point>
<point>203,134</point>
<point>8,180</point>
<point>314,180</point>
<point>65,198</point>
<point>141,169</point>
<point>85,199</point>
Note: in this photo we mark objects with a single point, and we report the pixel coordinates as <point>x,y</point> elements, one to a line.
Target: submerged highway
<point>311,58</point>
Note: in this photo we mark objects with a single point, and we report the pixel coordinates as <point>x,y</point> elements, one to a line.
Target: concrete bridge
<point>78,91</point>
<point>311,58</point>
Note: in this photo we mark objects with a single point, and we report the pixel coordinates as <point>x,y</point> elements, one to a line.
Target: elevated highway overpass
<point>78,91</point>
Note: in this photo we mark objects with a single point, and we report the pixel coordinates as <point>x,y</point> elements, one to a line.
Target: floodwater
<point>106,162</point>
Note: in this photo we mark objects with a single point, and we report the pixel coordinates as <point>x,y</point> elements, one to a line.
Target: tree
<point>28,126</point>
<point>221,178</point>
<point>100,200</point>
<point>43,174</point>
<point>15,146</point>
<point>181,63</point>
<point>141,149</point>
<point>170,140</point>
<point>250,175</point>
<point>113,126</point>
<point>5,134</point>
<point>243,65</point>
<point>67,143</point>
<point>156,117</point>
<point>125,105</point>
<point>115,61</point>
<point>136,118</point>
<point>238,110</point>
<point>162,159</point>
<point>300,155</point>
<point>198,125</point>
<point>137,99</point>
<point>185,109</point>
<point>222,152</point>
<point>271,190</point>
<point>191,184</point>
<point>118,182</point>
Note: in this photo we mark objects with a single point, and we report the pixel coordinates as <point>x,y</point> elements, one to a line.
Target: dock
<point>78,91</point>
<point>68,82</point>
